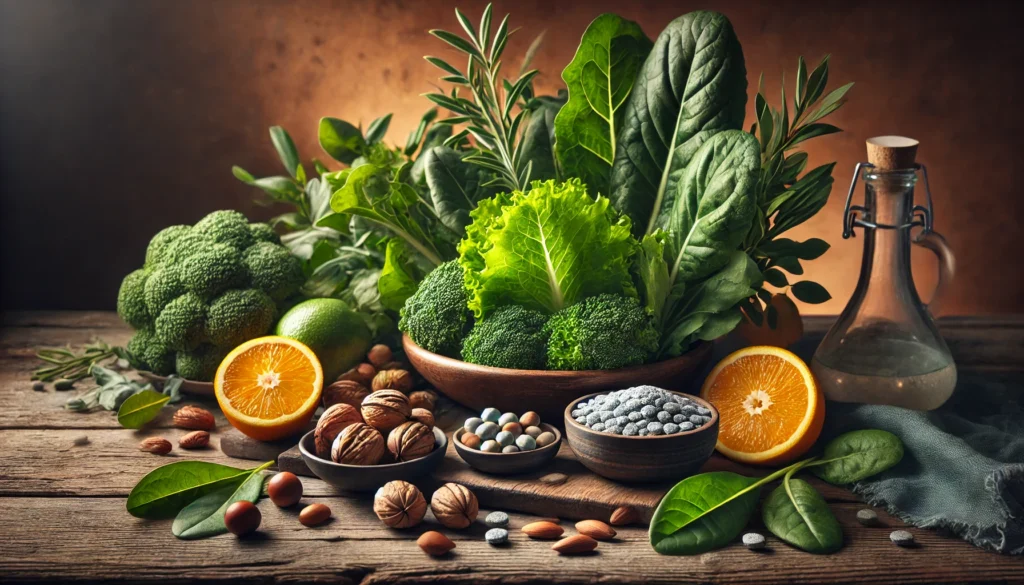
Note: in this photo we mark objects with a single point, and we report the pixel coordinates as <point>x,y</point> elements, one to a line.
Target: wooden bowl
<point>508,463</point>
<point>187,386</point>
<point>544,391</point>
<point>367,478</point>
<point>642,459</point>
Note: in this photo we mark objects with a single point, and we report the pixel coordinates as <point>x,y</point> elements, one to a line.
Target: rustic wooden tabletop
<point>63,518</point>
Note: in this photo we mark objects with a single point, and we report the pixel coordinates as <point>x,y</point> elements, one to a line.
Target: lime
<point>337,335</point>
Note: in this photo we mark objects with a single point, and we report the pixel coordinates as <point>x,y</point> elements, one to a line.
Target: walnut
<point>331,423</point>
<point>358,444</point>
<point>423,399</point>
<point>424,416</point>
<point>385,409</point>
<point>345,392</point>
<point>363,373</point>
<point>410,440</point>
<point>454,506</point>
<point>379,355</point>
<point>400,380</point>
<point>399,504</point>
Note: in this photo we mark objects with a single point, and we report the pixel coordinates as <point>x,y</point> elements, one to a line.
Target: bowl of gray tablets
<point>642,434</point>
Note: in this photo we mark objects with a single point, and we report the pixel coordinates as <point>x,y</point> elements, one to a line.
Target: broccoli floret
<point>150,353</point>
<point>239,315</point>
<point>510,337</point>
<point>262,232</point>
<point>601,333</point>
<point>213,271</point>
<point>436,316</point>
<point>163,286</point>
<point>226,227</point>
<point>199,364</point>
<point>273,269</point>
<point>181,325</point>
<point>131,300</point>
<point>185,245</point>
<point>161,241</point>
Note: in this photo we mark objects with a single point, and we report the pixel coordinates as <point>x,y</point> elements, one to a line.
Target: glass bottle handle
<point>947,266</point>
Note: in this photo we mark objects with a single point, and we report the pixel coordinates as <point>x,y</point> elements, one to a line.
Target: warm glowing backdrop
<point>120,117</point>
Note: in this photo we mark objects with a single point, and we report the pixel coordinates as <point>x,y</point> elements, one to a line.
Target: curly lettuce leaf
<point>545,249</point>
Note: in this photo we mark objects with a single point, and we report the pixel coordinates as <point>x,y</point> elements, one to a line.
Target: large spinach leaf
<point>856,455</point>
<point>797,514</point>
<point>692,86</point>
<point>539,138</point>
<point>600,79</point>
<point>455,187</point>
<point>703,512</point>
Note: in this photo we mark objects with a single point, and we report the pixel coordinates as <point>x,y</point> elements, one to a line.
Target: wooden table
<point>62,514</point>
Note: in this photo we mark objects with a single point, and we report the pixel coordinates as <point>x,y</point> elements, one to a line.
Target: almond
<point>595,529</point>
<point>574,545</point>
<point>194,440</point>
<point>193,417</point>
<point>543,530</point>
<point>434,543</point>
<point>155,445</point>
<point>624,515</point>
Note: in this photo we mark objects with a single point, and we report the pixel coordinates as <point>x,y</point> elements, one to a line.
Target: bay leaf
<point>141,408</point>
<point>204,517</point>
<point>167,489</point>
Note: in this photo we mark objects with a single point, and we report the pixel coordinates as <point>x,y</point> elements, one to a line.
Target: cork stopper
<point>892,152</point>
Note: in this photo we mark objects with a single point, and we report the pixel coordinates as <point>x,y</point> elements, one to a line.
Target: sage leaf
<point>797,514</point>
<point>111,397</point>
<point>600,79</point>
<point>692,85</point>
<point>141,408</point>
<point>163,492</point>
<point>857,455</point>
<point>204,517</point>
<point>341,140</point>
<point>703,512</point>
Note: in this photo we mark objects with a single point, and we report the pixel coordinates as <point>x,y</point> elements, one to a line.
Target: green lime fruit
<point>337,335</point>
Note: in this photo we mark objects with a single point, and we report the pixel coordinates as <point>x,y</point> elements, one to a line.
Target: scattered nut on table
<point>454,506</point>
<point>434,543</point>
<point>195,418</point>
<point>156,446</point>
<point>399,504</point>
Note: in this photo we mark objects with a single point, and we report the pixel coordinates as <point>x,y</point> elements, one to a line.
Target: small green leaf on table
<point>204,517</point>
<point>141,408</point>
<point>796,513</point>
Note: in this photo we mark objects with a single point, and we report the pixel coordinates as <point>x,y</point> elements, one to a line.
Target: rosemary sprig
<point>69,363</point>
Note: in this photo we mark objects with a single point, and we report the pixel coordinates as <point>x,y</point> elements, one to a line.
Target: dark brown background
<point>121,117</point>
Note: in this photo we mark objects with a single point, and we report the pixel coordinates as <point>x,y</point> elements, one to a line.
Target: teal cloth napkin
<point>963,467</point>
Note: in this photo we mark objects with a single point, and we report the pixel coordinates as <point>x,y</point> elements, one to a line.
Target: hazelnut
<point>379,355</point>
<point>423,399</point>
<point>242,517</point>
<point>358,444</point>
<point>385,409</point>
<point>331,423</point>
<point>284,489</point>
<point>424,416</point>
<point>454,506</point>
<point>345,392</point>
<point>400,380</point>
<point>399,504</point>
<point>363,373</point>
<point>410,440</point>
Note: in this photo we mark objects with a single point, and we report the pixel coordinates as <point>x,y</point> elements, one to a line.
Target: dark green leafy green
<point>692,85</point>
<point>341,140</point>
<point>797,514</point>
<point>167,489</point>
<point>600,79</point>
<point>703,512</point>
<point>857,455</point>
<point>285,149</point>
<point>396,282</point>
<point>538,142</point>
<point>141,408</point>
<point>810,292</point>
<point>377,129</point>
<point>455,187</point>
<point>204,517</point>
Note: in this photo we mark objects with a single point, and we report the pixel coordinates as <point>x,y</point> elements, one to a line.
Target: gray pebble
<point>659,402</point>
<point>629,430</point>
<point>697,420</point>
<point>487,431</point>
<point>593,418</point>
<point>605,415</point>
<point>688,409</point>
<point>80,440</point>
<point>496,536</point>
<point>582,420</point>
<point>703,411</point>
<point>642,432</point>
<point>664,417</point>
<point>649,411</point>
<point>597,426</point>
<point>510,449</point>
<point>612,403</point>
<point>671,428</point>
<point>901,538</point>
<point>655,428</point>
<point>686,426</point>
<point>635,416</point>
<point>867,517</point>
<point>577,413</point>
<point>620,411</point>
<point>496,520</point>
<point>671,407</point>
<point>38,386</point>
<point>680,418</point>
<point>705,419</point>
<point>753,541</point>
<point>615,430</point>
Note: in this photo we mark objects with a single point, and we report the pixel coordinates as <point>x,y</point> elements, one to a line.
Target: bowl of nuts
<point>505,444</point>
<point>384,439</point>
<point>642,434</point>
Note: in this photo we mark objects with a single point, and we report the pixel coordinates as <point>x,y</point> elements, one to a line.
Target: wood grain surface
<point>62,513</point>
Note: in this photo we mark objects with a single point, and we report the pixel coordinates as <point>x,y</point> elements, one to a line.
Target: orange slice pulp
<point>269,387</point>
<point>770,409</point>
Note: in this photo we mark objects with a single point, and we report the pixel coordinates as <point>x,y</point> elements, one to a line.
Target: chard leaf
<point>797,514</point>
<point>703,512</point>
<point>691,86</point>
<point>204,517</point>
<point>600,79</point>
<point>167,489</point>
<point>857,455</point>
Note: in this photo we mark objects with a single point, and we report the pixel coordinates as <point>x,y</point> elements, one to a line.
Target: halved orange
<point>770,409</point>
<point>268,387</point>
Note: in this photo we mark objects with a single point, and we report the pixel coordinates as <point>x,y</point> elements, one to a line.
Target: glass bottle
<point>885,347</point>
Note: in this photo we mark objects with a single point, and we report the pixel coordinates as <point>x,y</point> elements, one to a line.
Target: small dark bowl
<point>187,386</point>
<point>508,463</point>
<point>365,478</point>
<point>642,459</point>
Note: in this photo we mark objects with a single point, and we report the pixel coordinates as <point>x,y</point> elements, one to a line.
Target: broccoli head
<point>226,227</point>
<point>163,286</point>
<point>262,232</point>
<point>272,269</point>
<point>131,299</point>
<point>150,354</point>
<point>185,245</point>
<point>604,332</point>
<point>436,316</point>
<point>213,270</point>
<point>199,364</point>
<point>181,325</point>
<point>239,315</point>
<point>510,337</point>
<point>161,241</point>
